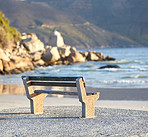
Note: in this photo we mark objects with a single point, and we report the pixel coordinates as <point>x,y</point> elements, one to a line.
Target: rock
<point>52,55</point>
<point>33,44</point>
<point>92,56</point>
<point>26,36</point>
<point>1,66</point>
<point>65,51</point>
<point>21,64</point>
<point>56,40</point>
<point>19,50</point>
<point>36,56</point>
<point>3,55</point>
<point>75,57</point>
<point>73,49</point>
<point>100,55</point>
<point>48,48</point>
<point>6,67</point>
<point>109,66</point>
<point>17,64</point>
<point>109,58</point>
<point>39,63</point>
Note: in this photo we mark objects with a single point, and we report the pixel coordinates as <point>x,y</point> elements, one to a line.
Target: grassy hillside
<point>84,24</point>
<point>7,34</point>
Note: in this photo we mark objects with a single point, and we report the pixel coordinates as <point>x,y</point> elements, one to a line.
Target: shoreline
<point>18,101</point>
<point>133,94</point>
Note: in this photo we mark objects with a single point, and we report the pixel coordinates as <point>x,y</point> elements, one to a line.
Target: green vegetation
<point>7,34</point>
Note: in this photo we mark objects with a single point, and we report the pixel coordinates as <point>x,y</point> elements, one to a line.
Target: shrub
<point>7,34</point>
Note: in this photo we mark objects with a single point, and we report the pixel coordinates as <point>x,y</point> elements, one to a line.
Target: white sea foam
<point>123,61</point>
<point>118,83</point>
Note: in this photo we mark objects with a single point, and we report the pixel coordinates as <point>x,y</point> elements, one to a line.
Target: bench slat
<point>46,78</point>
<point>62,92</point>
<point>57,92</point>
<point>45,83</point>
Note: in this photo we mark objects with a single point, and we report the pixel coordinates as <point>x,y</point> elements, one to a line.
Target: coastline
<point>18,101</point>
<point>133,94</point>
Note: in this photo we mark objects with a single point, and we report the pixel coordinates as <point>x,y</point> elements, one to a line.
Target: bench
<point>36,96</point>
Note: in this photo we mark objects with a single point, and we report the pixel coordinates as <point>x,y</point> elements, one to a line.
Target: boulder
<point>38,63</point>
<point>75,57</point>
<point>21,64</point>
<point>92,56</point>
<point>109,58</point>
<point>55,39</point>
<point>52,55</point>
<point>36,56</point>
<point>65,51</point>
<point>3,55</point>
<point>33,44</point>
<point>1,66</point>
<point>100,55</point>
<point>85,54</point>
<point>17,64</point>
<point>6,67</point>
<point>109,66</point>
<point>73,49</point>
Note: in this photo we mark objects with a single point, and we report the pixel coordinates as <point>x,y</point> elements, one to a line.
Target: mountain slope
<point>126,17</point>
<point>69,17</point>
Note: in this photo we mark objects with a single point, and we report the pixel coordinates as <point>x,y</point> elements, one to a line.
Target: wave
<point>118,83</point>
<point>143,68</point>
<point>137,77</point>
<point>122,62</point>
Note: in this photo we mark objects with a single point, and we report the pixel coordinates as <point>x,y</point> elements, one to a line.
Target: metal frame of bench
<point>36,97</point>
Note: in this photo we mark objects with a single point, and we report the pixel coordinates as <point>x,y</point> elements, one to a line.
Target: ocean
<point>133,71</point>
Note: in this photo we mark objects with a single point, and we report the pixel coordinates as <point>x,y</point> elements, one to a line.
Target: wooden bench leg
<point>88,110</point>
<point>36,104</point>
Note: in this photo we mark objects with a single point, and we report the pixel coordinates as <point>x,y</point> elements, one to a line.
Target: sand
<point>62,117</point>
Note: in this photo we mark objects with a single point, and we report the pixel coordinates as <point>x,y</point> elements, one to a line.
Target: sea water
<point>133,71</point>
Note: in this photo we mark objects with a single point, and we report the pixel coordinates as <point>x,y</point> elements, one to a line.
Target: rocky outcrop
<point>93,56</point>
<point>32,43</point>
<point>56,39</point>
<point>16,65</point>
<point>30,53</point>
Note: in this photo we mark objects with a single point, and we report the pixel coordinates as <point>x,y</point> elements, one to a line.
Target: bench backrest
<point>78,82</point>
<point>51,81</point>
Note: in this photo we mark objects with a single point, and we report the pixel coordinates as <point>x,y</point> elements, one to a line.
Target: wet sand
<point>137,94</point>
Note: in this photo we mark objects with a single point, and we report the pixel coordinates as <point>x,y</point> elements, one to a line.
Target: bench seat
<point>62,92</point>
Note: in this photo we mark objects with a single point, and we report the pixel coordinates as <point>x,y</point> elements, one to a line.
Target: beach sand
<point>119,112</point>
<point>62,117</point>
